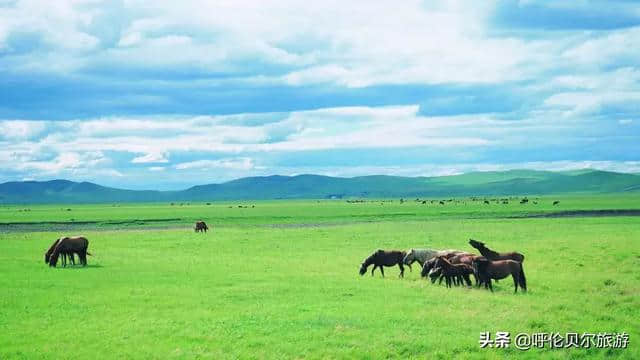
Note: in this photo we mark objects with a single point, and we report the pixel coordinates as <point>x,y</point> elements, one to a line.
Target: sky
<point>170,94</point>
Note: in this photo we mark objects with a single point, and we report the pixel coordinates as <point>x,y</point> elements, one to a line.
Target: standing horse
<point>201,226</point>
<point>424,255</point>
<point>382,258</point>
<point>64,255</point>
<point>500,269</point>
<point>66,245</point>
<point>492,255</point>
<point>431,269</point>
<point>451,272</point>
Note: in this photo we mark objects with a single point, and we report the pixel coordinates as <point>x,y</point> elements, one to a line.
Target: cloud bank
<point>196,91</point>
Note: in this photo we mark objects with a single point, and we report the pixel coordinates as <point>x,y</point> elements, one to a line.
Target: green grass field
<point>281,280</point>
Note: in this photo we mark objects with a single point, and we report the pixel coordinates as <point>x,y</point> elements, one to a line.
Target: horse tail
<point>523,279</point>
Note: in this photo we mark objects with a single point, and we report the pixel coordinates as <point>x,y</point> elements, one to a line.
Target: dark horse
<point>201,226</point>
<point>66,245</point>
<point>382,258</point>
<point>500,269</point>
<point>492,255</point>
<point>64,255</point>
<point>451,272</point>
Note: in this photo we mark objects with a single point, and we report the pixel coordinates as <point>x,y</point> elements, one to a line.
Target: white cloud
<point>150,158</point>
<point>230,163</point>
<point>21,129</point>
<point>356,44</point>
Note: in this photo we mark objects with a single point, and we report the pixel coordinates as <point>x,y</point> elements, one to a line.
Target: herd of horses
<point>454,266</point>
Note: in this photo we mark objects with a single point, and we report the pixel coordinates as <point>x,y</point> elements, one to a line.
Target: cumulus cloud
<point>132,87</point>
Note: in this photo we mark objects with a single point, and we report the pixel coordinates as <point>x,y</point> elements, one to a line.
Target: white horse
<point>424,255</point>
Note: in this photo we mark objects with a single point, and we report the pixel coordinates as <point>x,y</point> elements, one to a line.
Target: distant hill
<point>514,182</point>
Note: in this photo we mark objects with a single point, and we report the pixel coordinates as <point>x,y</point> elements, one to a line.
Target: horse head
<point>363,269</point>
<point>434,274</point>
<point>409,258</point>
<point>476,244</point>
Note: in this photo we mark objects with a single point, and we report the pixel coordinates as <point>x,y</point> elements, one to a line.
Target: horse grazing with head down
<point>487,270</point>
<point>201,226</point>
<point>66,245</point>
<point>63,256</point>
<point>382,258</point>
<point>424,255</point>
<point>492,255</point>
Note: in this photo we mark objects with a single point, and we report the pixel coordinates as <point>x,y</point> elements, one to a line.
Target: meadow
<point>280,280</point>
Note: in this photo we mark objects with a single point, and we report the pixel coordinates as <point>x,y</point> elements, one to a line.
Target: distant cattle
<point>201,227</point>
<point>524,201</point>
<point>556,202</point>
<point>486,202</point>
<point>441,202</point>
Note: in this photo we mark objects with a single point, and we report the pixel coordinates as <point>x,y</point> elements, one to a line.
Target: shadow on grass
<point>79,267</point>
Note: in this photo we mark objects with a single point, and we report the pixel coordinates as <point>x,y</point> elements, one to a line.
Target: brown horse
<point>201,226</point>
<point>66,245</point>
<point>434,273</point>
<point>492,255</point>
<point>500,269</point>
<point>430,264</point>
<point>64,255</point>
<point>452,271</point>
<point>382,258</point>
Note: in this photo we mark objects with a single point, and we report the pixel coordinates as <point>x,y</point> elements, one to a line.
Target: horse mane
<point>482,247</point>
<point>55,243</point>
<point>56,251</point>
<point>369,259</point>
<point>443,258</point>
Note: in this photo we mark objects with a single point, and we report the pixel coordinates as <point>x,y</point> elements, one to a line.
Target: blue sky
<point>169,94</point>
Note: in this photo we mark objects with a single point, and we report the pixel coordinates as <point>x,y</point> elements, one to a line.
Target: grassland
<point>280,280</point>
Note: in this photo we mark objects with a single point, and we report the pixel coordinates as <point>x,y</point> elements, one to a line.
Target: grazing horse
<point>382,258</point>
<point>424,255</point>
<point>492,255</point>
<point>201,226</point>
<point>66,245</point>
<point>434,273</point>
<point>64,255</point>
<point>427,267</point>
<point>500,269</point>
<point>452,271</point>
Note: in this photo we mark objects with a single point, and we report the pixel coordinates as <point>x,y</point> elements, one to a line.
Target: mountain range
<point>513,182</point>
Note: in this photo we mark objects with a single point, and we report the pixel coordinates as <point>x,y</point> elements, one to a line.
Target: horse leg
<point>402,269</point>
<point>515,282</point>
<point>374,269</point>
<point>382,270</point>
<point>467,279</point>
<point>83,257</point>
<point>490,286</point>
